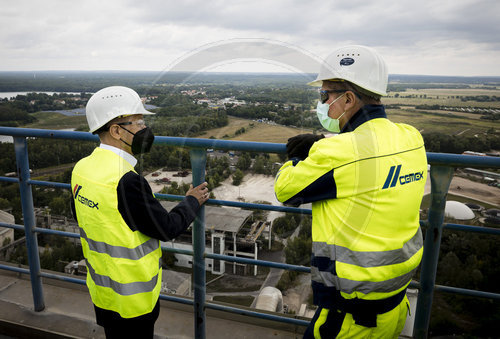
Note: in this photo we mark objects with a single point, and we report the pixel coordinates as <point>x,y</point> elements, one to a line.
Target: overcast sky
<point>446,37</point>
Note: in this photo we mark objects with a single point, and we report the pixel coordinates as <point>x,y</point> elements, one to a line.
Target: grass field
<point>51,120</point>
<point>452,124</point>
<point>465,124</point>
<point>254,131</point>
<point>446,122</point>
<point>443,97</point>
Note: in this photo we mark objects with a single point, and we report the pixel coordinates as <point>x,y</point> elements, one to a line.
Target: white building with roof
<point>222,236</point>
<point>458,210</point>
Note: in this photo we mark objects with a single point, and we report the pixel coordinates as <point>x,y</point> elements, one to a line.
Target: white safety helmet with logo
<point>357,64</point>
<point>110,103</point>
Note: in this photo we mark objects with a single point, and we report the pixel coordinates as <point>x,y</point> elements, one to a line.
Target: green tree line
<point>438,142</point>
<point>12,116</point>
<point>35,102</point>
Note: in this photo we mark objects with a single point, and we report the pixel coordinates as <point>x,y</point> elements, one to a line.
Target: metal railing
<point>441,173</point>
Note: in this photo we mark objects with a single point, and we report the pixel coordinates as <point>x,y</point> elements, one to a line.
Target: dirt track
<point>471,189</point>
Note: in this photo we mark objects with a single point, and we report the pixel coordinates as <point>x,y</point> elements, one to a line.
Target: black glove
<point>299,145</point>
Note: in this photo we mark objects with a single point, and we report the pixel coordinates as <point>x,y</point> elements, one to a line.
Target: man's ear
<point>350,97</point>
<point>114,132</point>
<point>350,100</point>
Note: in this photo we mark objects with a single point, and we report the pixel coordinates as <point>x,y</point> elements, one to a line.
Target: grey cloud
<point>266,16</point>
<point>135,33</point>
<point>376,22</point>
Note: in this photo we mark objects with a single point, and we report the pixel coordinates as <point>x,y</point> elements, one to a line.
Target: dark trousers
<point>117,327</point>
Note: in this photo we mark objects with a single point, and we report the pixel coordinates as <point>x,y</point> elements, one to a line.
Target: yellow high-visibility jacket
<point>124,266</point>
<point>366,185</point>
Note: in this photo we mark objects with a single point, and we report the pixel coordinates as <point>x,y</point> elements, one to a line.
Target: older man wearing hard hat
<point>120,221</point>
<point>366,184</point>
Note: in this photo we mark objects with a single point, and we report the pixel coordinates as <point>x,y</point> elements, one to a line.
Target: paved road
<point>274,274</point>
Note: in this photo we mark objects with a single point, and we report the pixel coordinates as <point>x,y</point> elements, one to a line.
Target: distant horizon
<point>229,73</point>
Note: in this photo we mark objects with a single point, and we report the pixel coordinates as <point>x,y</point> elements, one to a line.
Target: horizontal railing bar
<point>14,226</point>
<point>442,159</point>
<point>49,184</point>
<point>57,232</point>
<point>471,228</point>
<point>459,227</point>
<point>43,274</point>
<point>15,269</point>
<point>230,309</point>
<point>241,260</point>
<point>63,278</point>
<point>414,284</point>
<point>464,291</point>
<point>248,146</point>
<point>457,290</point>
<point>477,229</point>
<point>177,299</point>
<point>177,250</point>
<point>181,197</point>
<point>466,228</point>
<point>266,316</point>
<point>180,251</point>
<point>239,204</point>
<point>460,160</point>
<point>9,179</point>
<point>258,262</point>
<point>47,133</point>
<point>247,205</point>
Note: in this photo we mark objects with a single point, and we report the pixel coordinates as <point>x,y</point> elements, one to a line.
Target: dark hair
<point>107,125</point>
<point>102,129</point>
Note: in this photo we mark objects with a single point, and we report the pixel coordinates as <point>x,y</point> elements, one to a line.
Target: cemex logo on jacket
<point>82,199</point>
<point>392,178</point>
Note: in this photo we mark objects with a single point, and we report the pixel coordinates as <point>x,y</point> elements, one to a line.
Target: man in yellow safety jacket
<point>366,184</point>
<point>120,221</point>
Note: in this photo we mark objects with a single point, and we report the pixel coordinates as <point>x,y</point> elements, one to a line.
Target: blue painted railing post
<point>440,183</point>
<point>198,163</point>
<point>23,171</point>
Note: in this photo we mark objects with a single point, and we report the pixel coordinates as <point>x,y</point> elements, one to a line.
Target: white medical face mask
<point>328,123</point>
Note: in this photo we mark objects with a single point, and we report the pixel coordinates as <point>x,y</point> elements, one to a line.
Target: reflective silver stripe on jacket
<point>350,286</point>
<point>119,251</point>
<point>119,288</point>
<point>369,259</point>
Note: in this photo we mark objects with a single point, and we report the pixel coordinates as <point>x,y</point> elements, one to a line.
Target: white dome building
<point>458,210</point>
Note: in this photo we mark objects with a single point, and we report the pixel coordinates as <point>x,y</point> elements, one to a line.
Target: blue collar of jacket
<point>365,113</point>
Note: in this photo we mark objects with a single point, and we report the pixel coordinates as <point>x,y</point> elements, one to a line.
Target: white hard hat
<point>359,65</point>
<point>112,102</point>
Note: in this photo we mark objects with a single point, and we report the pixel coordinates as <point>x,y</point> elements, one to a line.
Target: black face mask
<point>142,140</point>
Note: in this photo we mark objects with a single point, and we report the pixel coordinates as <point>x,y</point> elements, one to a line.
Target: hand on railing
<point>299,145</point>
<point>200,192</point>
